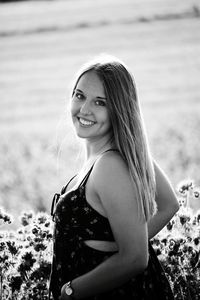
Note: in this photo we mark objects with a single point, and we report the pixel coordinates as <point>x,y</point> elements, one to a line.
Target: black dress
<point>76,221</point>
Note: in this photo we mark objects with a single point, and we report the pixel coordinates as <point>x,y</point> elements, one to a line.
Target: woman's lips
<point>85,122</point>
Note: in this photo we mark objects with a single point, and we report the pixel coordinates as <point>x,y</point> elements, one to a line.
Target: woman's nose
<point>85,108</point>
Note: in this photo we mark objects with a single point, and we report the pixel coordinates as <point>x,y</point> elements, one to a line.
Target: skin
<point>89,105</point>
<point>111,192</point>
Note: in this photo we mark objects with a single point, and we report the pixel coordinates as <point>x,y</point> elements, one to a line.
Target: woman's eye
<point>100,103</point>
<point>79,96</point>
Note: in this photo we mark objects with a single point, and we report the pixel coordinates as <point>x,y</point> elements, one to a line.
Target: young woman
<point>119,200</point>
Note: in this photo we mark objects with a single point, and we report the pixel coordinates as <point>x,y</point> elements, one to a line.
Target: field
<point>43,43</point>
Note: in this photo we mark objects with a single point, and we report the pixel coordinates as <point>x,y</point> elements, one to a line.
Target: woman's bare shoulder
<point>109,162</point>
<point>111,172</point>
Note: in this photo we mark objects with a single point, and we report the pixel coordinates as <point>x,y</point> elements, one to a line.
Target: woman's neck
<point>94,150</point>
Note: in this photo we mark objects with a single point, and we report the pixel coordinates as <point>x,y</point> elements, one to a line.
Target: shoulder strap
<point>84,181</point>
<point>65,186</point>
<point>57,197</point>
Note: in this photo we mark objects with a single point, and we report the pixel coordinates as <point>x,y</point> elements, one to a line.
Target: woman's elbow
<point>171,210</point>
<point>138,263</point>
<point>175,207</point>
<point>142,263</point>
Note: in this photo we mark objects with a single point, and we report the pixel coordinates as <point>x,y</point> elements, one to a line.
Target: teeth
<point>85,122</point>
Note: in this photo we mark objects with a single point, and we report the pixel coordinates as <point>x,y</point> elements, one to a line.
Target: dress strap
<point>65,186</point>
<point>84,181</point>
<point>56,197</point>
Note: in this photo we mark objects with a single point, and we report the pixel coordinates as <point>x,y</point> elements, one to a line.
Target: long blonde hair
<point>128,127</point>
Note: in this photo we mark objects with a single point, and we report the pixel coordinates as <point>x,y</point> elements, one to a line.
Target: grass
<point>42,46</point>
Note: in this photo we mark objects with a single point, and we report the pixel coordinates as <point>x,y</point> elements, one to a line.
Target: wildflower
<point>198,216</point>
<point>12,247</point>
<point>42,271</point>
<point>184,219</point>
<point>27,262</point>
<point>185,249</point>
<point>47,224</point>
<point>6,218</point>
<point>41,218</point>
<point>49,236</point>
<point>2,246</point>
<point>35,230</point>
<point>26,218</point>
<point>157,251</point>
<point>164,241</point>
<point>196,240</point>
<point>184,186</point>
<point>16,282</point>
<point>170,225</point>
<point>39,247</point>
<point>4,258</point>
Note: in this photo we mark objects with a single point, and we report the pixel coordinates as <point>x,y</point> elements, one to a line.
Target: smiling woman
<point>108,212</point>
<point>89,110</point>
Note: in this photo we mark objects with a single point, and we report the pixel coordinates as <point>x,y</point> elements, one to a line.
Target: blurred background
<point>43,44</point>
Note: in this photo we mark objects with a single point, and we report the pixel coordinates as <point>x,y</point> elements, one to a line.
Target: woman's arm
<point>116,192</point>
<point>166,200</point>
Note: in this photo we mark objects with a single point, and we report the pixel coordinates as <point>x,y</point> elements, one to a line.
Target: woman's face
<point>89,108</point>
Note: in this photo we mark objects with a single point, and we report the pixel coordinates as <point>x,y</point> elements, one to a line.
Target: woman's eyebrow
<point>102,98</point>
<point>79,90</point>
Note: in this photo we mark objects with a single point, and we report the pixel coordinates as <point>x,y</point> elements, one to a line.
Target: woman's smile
<point>85,122</point>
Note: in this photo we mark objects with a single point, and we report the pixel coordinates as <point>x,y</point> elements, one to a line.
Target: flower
<point>6,218</point>
<point>16,282</point>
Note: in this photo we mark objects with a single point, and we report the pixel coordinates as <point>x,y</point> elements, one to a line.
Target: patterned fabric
<point>76,221</point>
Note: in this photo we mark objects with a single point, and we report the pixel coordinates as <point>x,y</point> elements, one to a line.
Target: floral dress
<point>76,221</point>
